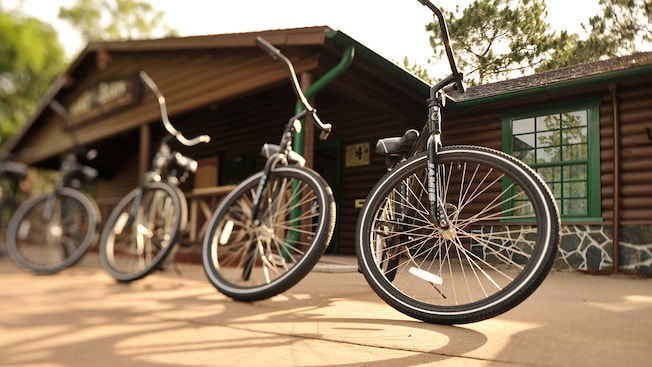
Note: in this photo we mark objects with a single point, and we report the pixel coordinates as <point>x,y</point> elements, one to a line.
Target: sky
<point>393,28</point>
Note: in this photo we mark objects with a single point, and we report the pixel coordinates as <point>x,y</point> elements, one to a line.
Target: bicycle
<point>270,231</point>
<point>456,234</point>
<point>143,229</point>
<point>53,230</point>
<point>11,175</point>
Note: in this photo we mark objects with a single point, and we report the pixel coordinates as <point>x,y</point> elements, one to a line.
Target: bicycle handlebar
<point>164,114</point>
<point>275,53</point>
<point>457,76</point>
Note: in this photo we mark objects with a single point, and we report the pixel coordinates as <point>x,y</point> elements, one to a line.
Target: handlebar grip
<point>164,114</point>
<point>326,131</point>
<point>268,47</point>
<point>325,127</point>
<point>194,141</point>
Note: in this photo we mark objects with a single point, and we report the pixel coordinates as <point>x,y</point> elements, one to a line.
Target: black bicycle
<point>270,231</point>
<point>143,229</point>
<point>52,231</point>
<point>456,234</point>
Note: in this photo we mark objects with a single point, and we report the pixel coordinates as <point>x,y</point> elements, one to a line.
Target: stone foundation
<point>586,248</point>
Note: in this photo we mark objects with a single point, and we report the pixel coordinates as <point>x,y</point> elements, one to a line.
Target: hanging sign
<point>105,97</point>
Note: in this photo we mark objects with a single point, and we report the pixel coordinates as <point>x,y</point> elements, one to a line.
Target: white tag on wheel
<point>427,276</point>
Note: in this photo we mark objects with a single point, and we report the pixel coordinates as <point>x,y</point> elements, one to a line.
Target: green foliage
<point>493,39</point>
<point>104,20</point>
<point>497,39</point>
<point>32,57</point>
<point>623,27</point>
<point>416,69</point>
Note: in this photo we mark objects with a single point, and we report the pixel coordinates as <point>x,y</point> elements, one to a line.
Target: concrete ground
<point>81,317</point>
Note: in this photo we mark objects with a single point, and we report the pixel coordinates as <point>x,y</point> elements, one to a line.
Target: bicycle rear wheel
<point>248,261</point>
<point>52,231</point>
<point>132,246</point>
<point>501,243</point>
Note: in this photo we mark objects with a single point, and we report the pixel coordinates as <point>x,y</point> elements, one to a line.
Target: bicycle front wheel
<point>500,245</point>
<point>250,261</point>
<point>52,231</point>
<point>142,230</point>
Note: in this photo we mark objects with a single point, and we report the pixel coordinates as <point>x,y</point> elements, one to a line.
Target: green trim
<point>342,66</point>
<point>592,106</point>
<point>386,66</point>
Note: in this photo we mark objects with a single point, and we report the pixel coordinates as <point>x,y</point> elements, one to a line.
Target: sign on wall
<point>357,155</point>
<point>105,97</point>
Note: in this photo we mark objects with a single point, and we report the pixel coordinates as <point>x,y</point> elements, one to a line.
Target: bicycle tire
<point>489,196</point>
<point>131,250</point>
<point>46,245</point>
<point>8,206</point>
<point>283,249</point>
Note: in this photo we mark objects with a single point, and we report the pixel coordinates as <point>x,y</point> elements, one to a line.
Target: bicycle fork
<point>435,189</point>
<point>255,217</point>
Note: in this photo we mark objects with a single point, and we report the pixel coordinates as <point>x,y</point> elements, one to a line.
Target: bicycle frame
<point>285,148</point>
<point>73,172</point>
<point>435,104</point>
<point>164,157</point>
<point>285,155</point>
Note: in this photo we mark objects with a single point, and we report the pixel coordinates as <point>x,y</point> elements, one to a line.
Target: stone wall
<point>590,248</point>
<point>582,247</point>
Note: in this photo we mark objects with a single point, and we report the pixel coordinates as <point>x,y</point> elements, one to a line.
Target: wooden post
<point>144,148</point>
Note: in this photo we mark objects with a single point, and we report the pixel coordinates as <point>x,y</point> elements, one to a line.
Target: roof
<point>559,79</point>
<point>311,47</point>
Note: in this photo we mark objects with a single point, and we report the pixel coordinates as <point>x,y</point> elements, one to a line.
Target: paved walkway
<point>82,318</point>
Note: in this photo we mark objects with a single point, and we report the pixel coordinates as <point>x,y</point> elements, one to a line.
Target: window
<point>563,146</point>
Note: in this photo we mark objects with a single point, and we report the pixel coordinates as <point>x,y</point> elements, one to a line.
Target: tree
<point>32,57</point>
<point>415,69</point>
<point>493,39</point>
<point>105,20</point>
<point>623,26</point>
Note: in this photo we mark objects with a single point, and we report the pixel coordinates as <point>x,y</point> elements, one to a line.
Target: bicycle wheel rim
<point>427,244</point>
<point>283,248</point>
<point>131,248</point>
<point>46,244</point>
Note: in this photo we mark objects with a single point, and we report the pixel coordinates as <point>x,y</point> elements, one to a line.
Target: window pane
<point>576,172</point>
<point>525,141</point>
<point>575,152</point>
<point>526,156</point>
<point>574,207</point>
<point>574,119</point>
<point>574,135</point>
<point>522,126</point>
<point>550,174</point>
<point>548,155</point>
<point>548,138</point>
<point>550,122</point>
<point>575,190</point>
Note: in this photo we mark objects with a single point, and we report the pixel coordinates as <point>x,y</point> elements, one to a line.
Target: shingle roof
<point>566,74</point>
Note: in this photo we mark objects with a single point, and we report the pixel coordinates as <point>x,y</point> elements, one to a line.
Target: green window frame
<point>562,144</point>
